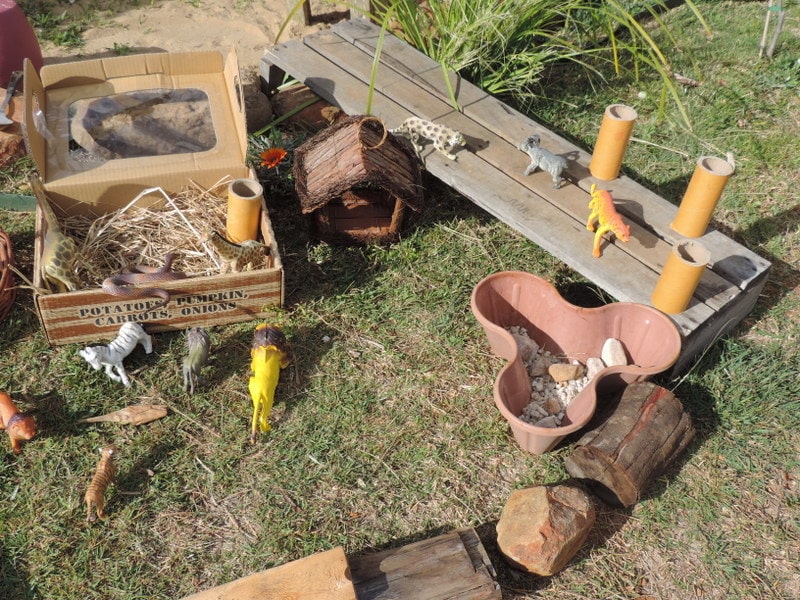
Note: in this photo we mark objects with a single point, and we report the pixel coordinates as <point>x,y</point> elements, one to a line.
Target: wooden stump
<point>640,437</point>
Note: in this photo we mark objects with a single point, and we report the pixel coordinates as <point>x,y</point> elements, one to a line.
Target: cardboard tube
<point>612,141</point>
<point>679,279</point>
<point>701,196</point>
<point>244,209</point>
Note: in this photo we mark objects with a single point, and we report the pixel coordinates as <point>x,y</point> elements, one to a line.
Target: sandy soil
<point>250,26</point>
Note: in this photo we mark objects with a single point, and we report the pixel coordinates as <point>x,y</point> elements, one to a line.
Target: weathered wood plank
<point>447,567</point>
<point>337,65</point>
<point>511,198</point>
<point>513,126</point>
<point>322,576</point>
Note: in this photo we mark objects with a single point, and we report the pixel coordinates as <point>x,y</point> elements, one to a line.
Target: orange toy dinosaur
<point>270,353</point>
<point>19,427</point>
<point>601,206</point>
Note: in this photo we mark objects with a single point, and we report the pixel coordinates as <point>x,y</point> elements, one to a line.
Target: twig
<point>188,418</point>
<point>778,28</point>
<point>763,44</point>
<point>646,143</point>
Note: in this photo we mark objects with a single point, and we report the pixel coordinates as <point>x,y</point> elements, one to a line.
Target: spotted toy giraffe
<point>608,219</point>
<point>59,253</point>
<point>236,256</point>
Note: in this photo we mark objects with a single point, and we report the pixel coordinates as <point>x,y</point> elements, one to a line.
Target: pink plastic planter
<point>511,298</point>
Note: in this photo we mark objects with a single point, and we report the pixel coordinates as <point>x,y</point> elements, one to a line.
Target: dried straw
<point>144,235</point>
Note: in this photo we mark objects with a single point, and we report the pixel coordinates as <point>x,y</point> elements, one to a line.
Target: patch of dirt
<point>249,26</point>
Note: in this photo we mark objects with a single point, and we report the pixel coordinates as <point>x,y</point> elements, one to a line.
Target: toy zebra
<point>112,355</point>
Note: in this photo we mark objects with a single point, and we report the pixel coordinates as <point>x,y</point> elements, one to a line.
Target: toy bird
<point>270,353</point>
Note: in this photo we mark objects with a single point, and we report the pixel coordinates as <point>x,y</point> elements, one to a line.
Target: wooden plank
<point>450,566</point>
<point>322,576</point>
<point>504,197</point>
<point>637,202</point>
<point>337,65</point>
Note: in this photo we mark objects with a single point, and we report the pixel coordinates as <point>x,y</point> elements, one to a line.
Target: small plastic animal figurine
<point>19,426</point>
<point>444,139</point>
<point>198,342</point>
<point>236,256</point>
<point>136,414</point>
<point>59,252</point>
<point>112,355</point>
<point>608,219</point>
<point>270,353</point>
<point>104,475</point>
<point>543,159</point>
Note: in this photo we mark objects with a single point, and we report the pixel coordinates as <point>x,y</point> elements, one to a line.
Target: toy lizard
<point>197,342</point>
<point>236,256</point>
<point>59,252</point>
<point>608,219</point>
<point>270,353</point>
<point>19,426</point>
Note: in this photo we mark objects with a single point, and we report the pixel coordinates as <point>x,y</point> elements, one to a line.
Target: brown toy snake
<point>122,284</point>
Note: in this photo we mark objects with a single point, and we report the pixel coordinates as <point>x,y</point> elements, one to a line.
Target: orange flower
<point>272,157</point>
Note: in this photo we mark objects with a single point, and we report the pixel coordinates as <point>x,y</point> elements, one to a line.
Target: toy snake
<point>123,284</point>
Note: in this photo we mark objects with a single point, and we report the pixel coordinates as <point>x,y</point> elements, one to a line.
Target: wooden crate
<point>91,315</point>
<point>338,65</point>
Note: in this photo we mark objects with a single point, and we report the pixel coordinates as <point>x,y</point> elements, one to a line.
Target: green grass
<point>384,429</point>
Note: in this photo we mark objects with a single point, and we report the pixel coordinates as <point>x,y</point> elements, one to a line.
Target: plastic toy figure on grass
<point>608,219</point>
<point>19,426</point>
<point>270,353</point>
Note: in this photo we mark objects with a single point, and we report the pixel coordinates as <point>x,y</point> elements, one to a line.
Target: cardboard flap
<point>237,98</point>
<point>102,69</point>
<point>35,105</point>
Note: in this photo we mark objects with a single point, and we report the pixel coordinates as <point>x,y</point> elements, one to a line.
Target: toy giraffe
<point>608,219</point>
<point>59,253</point>
<point>236,256</point>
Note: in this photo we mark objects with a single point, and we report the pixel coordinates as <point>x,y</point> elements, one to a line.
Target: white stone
<point>594,365</point>
<point>613,353</point>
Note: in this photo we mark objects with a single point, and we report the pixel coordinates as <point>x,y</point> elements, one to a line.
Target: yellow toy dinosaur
<point>602,208</point>
<point>270,353</point>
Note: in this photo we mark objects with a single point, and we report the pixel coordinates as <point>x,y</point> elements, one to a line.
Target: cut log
<point>448,567</point>
<point>640,435</point>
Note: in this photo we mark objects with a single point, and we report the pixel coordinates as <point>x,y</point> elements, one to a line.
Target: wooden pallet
<point>337,65</point>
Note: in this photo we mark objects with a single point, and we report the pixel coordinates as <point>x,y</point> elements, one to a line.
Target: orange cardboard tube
<point>612,141</point>
<point>701,196</point>
<point>244,209</point>
<point>679,279</point>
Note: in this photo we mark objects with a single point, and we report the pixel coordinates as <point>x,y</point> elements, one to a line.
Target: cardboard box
<point>102,186</point>
<point>79,186</point>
